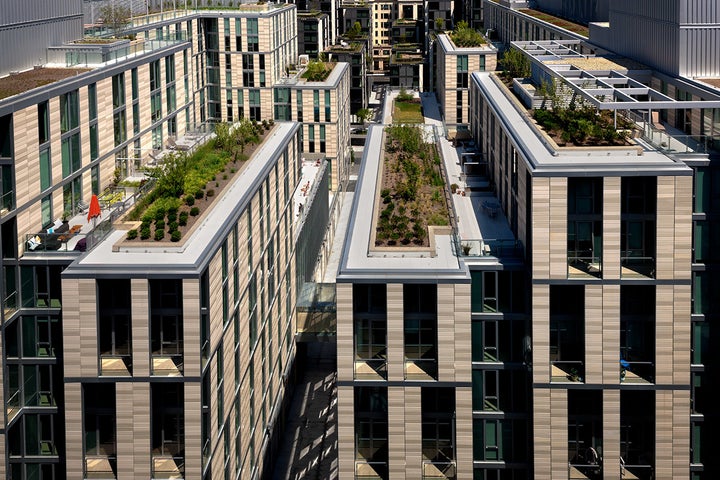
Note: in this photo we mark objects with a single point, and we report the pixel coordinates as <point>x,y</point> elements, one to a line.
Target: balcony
<point>371,470</point>
<point>583,264</point>
<point>439,470</point>
<point>488,248</point>
<point>371,368</point>
<point>113,365</point>
<point>168,467</point>
<point>636,266</point>
<point>7,203</point>
<point>421,362</point>
<point>100,467</point>
<point>567,371</point>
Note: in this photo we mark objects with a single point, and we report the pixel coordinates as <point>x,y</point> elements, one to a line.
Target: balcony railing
<point>488,248</point>
<point>10,304</point>
<point>168,466</point>
<point>370,368</point>
<point>567,370</point>
<point>438,470</point>
<point>581,265</point>
<point>7,202</point>
<point>371,470</point>
<point>637,266</point>
<point>100,467</point>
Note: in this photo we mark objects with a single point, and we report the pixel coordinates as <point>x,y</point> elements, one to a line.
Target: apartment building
<point>88,121</point>
<point>323,109</point>
<point>176,358</point>
<point>456,64</point>
<point>403,342</point>
<point>680,65</point>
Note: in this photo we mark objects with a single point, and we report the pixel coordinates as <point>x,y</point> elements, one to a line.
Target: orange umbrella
<point>94,210</point>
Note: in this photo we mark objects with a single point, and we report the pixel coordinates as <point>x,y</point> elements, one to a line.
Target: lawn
<point>408,112</point>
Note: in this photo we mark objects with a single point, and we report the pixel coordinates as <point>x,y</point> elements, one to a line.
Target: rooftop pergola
<point>608,82</point>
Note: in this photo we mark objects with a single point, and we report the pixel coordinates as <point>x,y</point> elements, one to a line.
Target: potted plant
<point>65,217</point>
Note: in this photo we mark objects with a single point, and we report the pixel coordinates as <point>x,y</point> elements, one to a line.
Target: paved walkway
<point>310,440</point>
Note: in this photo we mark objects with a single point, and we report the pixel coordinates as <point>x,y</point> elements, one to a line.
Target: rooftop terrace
<point>17,83</point>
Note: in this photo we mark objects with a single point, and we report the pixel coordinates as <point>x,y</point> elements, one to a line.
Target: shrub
<point>453,187</point>
<point>132,234</point>
<point>190,200</point>
<point>232,170</point>
<point>159,215</point>
<point>159,234</point>
<point>147,217</point>
<point>182,221</point>
<point>210,192</point>
<point>199,194</point>
<point>172,218</point>
<point>173,226</point>
<point>175,235</point>
<point>172,210</point>
<point>194,211</point>
<point>225,177</point>
<point>160,224</point>
<point>145,233</point>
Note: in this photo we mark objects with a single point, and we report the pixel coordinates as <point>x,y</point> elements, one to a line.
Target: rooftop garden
<point>22,82</point>
<point>463,36</point>
<point>186,185</point>
<point>412,189</point>
<point>317,71</point>
<point>557,21</point>
<point>407,109</point>
<point>577,123</point>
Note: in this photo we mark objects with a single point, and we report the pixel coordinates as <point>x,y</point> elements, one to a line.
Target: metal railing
<point>635,265</point>
<point>371,470</point>
<point>487,247</point>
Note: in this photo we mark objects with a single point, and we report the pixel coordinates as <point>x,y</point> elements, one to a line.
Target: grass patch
<point>407,112</point>
<point>558,22</point>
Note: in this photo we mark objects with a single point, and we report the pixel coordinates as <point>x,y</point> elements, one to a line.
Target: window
<point>69,111</point>
<point>420,330</point>
<point>92,101</point>
<point>114,327</point>
<point>155,75</point>
<point>299,100</point>
<point>70,148</point>
<point>43,123</point>
<point>638,211</point>
<point>166,326</point>
<point>323,147</point>
<point>316,105</point>
<point>46,211</point>
<point>118,90</point>
<point>254,101</point>
<point>134,81</point>
<point>311,138</point>
<point>371,427</point>
<point>170,69</point>
<point>119,127</point>
<point>584,230</point>
<point>155,107</point>
<point>45,169</point>
<point>327,105</point>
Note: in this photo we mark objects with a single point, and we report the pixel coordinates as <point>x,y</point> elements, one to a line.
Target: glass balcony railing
<point>370,368</point>
<point>567,370</point>
<point>100,467</point>
<point>488,248</point>
<point>371,470</point>
<point>10,304</point>
<point>168,467</point>
<point>439,470</point>
<point>7,202</point>
<point>637,266</point>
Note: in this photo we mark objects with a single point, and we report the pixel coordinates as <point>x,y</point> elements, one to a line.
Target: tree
<point>515,64</point>
<point>170,176</point>
<point>439,23</point>
<point>115,16</point>
<point>363,114</point>
<point>354,31</point>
